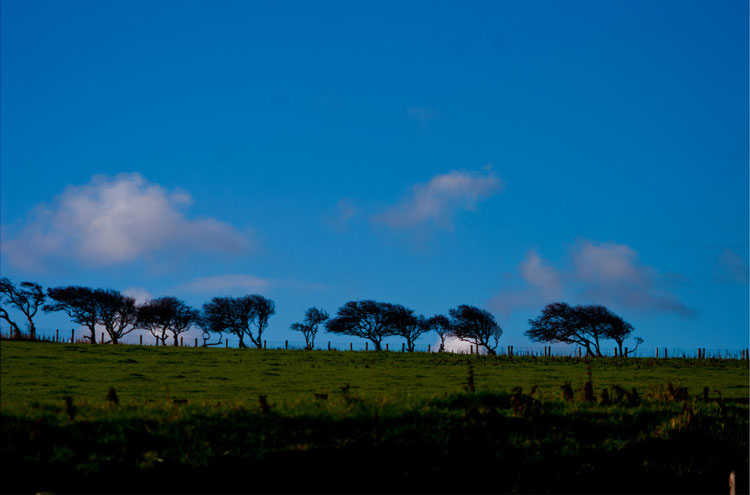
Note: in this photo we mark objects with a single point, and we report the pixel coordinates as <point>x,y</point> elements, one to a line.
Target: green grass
<point>37,373</point>
<point>389,422</point>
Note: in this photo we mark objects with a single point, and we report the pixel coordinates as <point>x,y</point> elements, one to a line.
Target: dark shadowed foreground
<point>587,441</point>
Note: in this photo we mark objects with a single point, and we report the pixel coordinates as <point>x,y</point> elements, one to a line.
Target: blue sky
<point>501,154</point>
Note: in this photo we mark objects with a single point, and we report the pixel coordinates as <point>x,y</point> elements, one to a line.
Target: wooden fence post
<point>140,340</point>
<point>196,342</point>
<point>57,335</point>
<point>72,335</point>
<point>386,347</point>
<point>366,345</point>
<point>102,339</point>
<point>226,343</point>
<point>351,346</point>
<point>665,353</point>
<point>329,345</point>
<point>264,343</point>
<point>428,347</point>
<point>286,344</point>
<point>625,354</point>
<point>402,347</point>
<point>657,352</point>
<point>180,341</point>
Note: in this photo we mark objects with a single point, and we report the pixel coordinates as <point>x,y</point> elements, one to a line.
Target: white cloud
<point>116,220</point>
<point>139,294</point>
<point>226,284</point>
<point>438,200</point>
<point>602,273</point>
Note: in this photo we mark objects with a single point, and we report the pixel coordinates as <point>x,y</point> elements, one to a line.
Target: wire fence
<point>194,339</point>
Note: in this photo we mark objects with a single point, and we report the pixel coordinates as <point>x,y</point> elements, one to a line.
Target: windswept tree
<point>365,319</point>
<point>441,325</point>
<point>79,303</point>
<point>27,298</point>
<point>612,326</point>
<point>475,325</point>
<point>165,315</point>
<point>116,312</point>
<point>404,323</point>
<point>309,327</point>
<point>236,315</point>
<point>586,326</point>
<point>264,309</point>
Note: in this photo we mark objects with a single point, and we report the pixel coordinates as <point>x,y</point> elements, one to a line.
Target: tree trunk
<point>377,345</point>
<point>176,343</point>
<point>93,335</point>
<point>32,330</point>
<point>115,340</point>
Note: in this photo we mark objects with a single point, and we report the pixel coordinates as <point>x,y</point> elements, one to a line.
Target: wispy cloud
<point>731,268</point>
<point>438,200</point>
<point>423,115</point>
<point>115,220</point>
<point>227,284</point>
<point>342,214</point>
<point>238,283</point>
<point>604,273</point>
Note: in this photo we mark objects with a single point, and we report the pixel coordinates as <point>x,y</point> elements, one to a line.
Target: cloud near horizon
<point>438,200</point>
<point>226,284</point>
<point>600,273</point>
<point>116,220</point>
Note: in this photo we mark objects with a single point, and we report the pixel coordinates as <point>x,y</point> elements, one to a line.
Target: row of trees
<point>248,317</point>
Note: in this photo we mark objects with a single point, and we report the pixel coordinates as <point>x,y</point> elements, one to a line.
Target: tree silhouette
<point>584,325</point>
<point>442,326</point>
<point>477,326</point>
<point>264,308</point>
<point>236,315</point>
<point>166,315</point>
<point>79,303</point>
<point>309,327</point>
<point>365,319</point>
<point>28,297</point>
<point>117,313</point>
<point>404,323</point>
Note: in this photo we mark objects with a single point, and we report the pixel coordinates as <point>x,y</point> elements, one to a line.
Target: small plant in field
<point>470,386</point>
<point>567,392</point>
<point>112,396</point>
<point>265,408</point>
<point>588,387</point>
<point>70,408</point>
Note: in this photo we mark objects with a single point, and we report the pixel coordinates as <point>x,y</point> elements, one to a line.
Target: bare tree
<point>79,303</point>
<point>166,315</point>
<point>442,326</point>
<point>365,319</point>
<point>28,297</point>
<point>309,327</point>
<point>116,312</point>
<point>471,324</point>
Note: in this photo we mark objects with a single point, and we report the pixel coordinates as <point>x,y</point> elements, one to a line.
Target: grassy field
<point>37,373</point>
<point>229,420</point>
